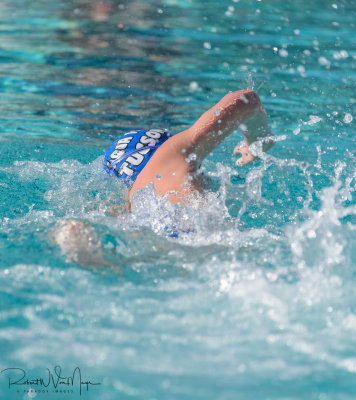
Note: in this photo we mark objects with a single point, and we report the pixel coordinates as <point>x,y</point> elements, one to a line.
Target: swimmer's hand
<point>256,131</point>
<point>246,157</point>
<point>79,243</point>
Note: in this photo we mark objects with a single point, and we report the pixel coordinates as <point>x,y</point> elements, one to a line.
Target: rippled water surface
<point>255,299</point>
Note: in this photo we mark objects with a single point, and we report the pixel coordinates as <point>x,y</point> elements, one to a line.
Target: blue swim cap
<point>129,154</point>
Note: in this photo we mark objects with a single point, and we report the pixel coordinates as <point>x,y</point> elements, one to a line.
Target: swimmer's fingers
<point>80,243</point>
<point>246,156</point>
<point>245,159</point>
<point>239,149</point>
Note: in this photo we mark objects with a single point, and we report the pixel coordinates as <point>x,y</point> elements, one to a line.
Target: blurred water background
<point>258,301</point>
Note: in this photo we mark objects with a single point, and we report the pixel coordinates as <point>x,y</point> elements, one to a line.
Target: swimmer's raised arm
<point>237,109</point>
<point>150,156</point>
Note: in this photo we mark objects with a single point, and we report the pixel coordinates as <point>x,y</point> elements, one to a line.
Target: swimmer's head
<point>129,154</point>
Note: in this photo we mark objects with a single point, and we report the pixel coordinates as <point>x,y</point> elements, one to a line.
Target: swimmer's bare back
<point>172,167</point>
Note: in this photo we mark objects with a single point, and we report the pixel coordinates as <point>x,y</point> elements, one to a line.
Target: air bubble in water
<point>207,45</point>
<point>217,112</point>
<point>283,53</point>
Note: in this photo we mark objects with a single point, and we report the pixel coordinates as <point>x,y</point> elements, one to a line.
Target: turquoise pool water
<point>259,301</point>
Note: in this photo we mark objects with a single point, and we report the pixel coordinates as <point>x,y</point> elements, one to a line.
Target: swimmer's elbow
<point>245,100</point>
<point>220,120</point>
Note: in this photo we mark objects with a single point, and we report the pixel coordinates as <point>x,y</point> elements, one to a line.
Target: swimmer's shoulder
<point>168,168</point>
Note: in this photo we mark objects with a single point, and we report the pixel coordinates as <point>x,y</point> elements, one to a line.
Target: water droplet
<point>193,86</point>
<point>314,119</point>
<point>158,176</point>
<point>244,99</point>
<point>242,127</point>
<point>347,118</point>
<point>311,234</point>
<point>217,112</point>
<point>340,55</point>
<point>207,45</point>
<point>191,157</point>
<point>301,70</point>
<point>283,53</point>
<point>324,62</point>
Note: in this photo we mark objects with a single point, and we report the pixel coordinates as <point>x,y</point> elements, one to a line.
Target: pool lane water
<point>255,298</point>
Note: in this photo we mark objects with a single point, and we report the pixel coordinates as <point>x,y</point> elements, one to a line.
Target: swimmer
<point>171,163</point>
